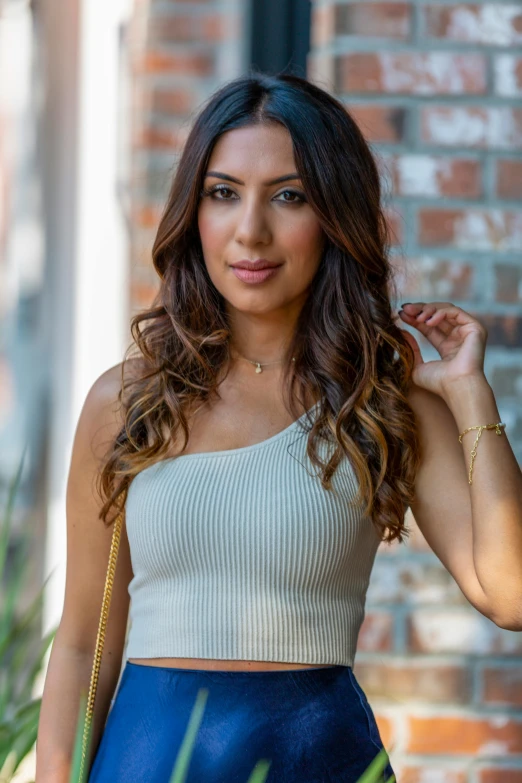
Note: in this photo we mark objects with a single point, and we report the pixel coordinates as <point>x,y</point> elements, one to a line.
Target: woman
<point>254,505</point>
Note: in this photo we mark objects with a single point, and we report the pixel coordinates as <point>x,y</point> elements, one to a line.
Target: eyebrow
<point>220,175</point>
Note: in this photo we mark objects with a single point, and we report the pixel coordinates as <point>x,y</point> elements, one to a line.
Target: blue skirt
<point>312,725</point>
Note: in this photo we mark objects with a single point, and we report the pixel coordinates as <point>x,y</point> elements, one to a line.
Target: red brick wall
<point>436,88</point>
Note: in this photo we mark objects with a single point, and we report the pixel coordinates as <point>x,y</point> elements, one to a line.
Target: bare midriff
<point>211,664</point>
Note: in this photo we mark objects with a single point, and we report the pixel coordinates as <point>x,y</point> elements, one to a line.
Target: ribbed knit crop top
<point>241,554</point>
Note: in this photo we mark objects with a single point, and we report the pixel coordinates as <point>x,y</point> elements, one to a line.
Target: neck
<point>259,340</point>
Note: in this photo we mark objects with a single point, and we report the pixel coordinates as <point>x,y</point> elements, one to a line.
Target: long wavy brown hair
<point>346,345</point>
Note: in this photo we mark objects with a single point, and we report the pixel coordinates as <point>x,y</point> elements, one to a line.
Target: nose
<point>252,226</point>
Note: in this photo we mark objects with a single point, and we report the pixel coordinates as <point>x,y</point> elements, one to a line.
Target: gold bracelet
<point>479,427</point>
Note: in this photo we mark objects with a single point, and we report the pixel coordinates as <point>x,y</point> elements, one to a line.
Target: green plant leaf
<point>25,729</point>
<point>21,647</point>
<point>14,588</point>
<point>19,733</point>
<point>8,767</point>
<point>24,622</point>
<point>14,654</point>
<point>5,530</point>
<point>260,772</point>
<point>35,669</point>
<point>74,776</point>
<point>373,773</point>
<point>179,773</point>
<point>26,630</point>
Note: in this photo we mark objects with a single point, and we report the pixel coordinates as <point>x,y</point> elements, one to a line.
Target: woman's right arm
<point>88,545</point>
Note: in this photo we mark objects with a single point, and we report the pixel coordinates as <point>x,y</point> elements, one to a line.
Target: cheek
<point>212,230</point>
<point>303,237</point>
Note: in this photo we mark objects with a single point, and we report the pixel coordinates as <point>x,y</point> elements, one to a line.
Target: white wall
<point>87,242</point>
<point>86,310</point>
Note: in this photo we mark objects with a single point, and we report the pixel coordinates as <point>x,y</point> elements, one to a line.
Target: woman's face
<point>245,215</point>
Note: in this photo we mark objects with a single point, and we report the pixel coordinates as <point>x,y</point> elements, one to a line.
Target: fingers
<point>434,312</point>
<point>425,316</point>
<point>428,319</point>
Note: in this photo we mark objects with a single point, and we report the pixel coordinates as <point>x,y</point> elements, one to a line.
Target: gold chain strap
<point>100,638</point>
<point>479,427</point>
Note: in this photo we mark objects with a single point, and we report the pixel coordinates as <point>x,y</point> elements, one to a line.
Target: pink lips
<point>255,275</point>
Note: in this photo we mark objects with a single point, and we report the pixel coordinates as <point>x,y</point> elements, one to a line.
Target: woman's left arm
<point>475,529</point>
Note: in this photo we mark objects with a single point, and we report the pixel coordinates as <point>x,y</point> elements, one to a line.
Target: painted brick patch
<point>495,24</point>
<point>477,229</point>
<point>434,73</point>
<point>376,633</point>
<point>424,277</point>
<point>432,176</point>
<point>472,126</point>
<point>508,75</point>
<point>460,631</point>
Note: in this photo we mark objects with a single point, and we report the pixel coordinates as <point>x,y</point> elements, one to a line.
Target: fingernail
<point>405,303</point>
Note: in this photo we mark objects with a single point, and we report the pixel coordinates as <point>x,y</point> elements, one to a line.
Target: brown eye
<point>299,198</point>
<point>216,189</point>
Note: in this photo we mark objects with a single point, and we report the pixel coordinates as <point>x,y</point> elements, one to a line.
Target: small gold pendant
<point>258,368</point>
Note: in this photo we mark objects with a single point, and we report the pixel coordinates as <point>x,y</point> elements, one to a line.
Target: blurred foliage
<point>22,649</point>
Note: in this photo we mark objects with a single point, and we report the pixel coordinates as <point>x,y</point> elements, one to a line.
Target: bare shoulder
<point>88,538</point>
<point>107,387</point>
<point>102,414</point>
<point>101,419</point>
